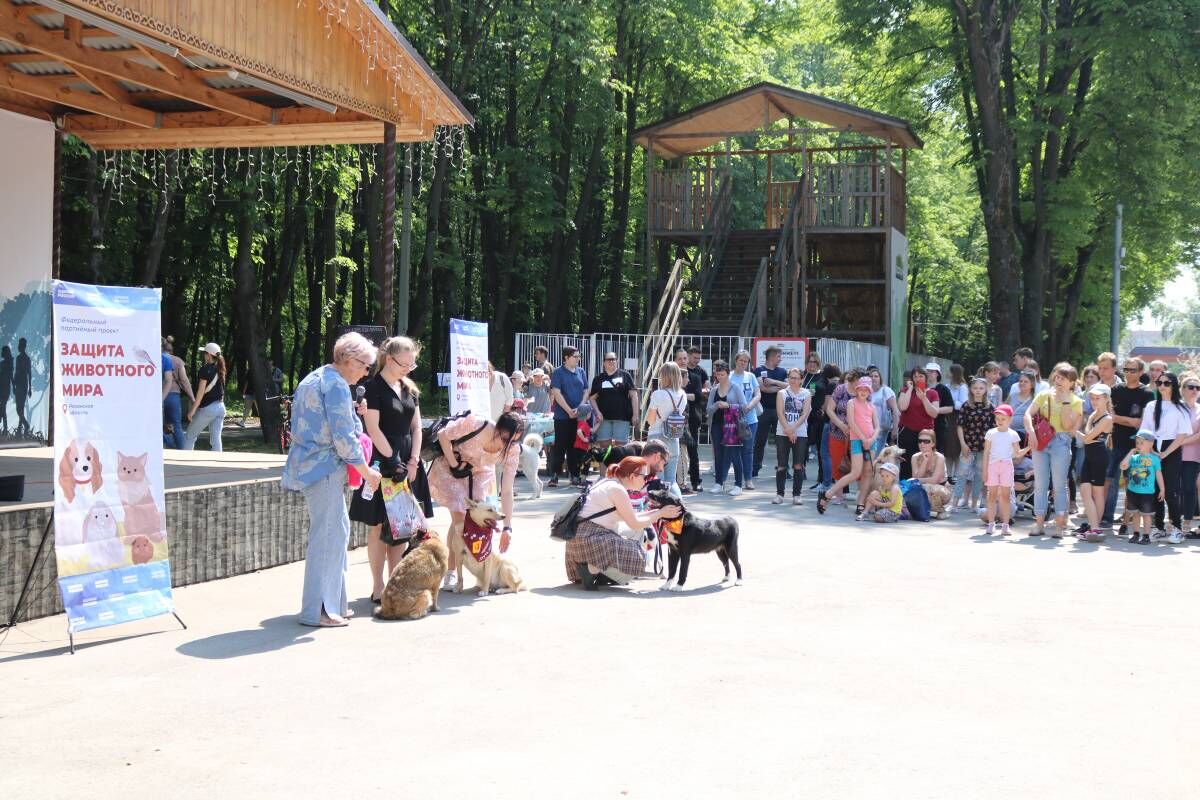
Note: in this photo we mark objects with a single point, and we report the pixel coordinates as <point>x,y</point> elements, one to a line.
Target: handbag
<point>1042,429</point>
<point>404,516</point>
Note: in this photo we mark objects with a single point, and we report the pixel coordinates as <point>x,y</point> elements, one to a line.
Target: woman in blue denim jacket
<point>325,440</point>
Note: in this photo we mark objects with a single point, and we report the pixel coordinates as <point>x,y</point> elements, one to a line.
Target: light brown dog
<point>495,573</point>
<point>79,466</point>
<point>888,455</point>
<point>412,589</point>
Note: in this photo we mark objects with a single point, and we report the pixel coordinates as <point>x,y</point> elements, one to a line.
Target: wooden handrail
<point>663,330</point>
<point>717,229</point>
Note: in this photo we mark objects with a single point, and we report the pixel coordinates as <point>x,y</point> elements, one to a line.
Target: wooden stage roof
<point>755,109</point>
<point>156,74</point>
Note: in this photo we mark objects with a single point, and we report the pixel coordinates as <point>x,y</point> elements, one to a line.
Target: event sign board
<point>792,351</point>
<point>110,533</point>
<point>469,387</point>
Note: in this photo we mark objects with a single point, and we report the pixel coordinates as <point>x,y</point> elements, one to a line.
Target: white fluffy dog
<point>531,460</point>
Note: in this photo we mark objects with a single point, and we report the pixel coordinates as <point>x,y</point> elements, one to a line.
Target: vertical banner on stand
<point>469,376</point>
<point>109,516</point>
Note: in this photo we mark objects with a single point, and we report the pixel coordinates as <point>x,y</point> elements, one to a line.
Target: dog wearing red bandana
<point>472,542</point>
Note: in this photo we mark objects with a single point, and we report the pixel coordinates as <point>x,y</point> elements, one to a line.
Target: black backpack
<point>431,448</point>
<point>562,527</point>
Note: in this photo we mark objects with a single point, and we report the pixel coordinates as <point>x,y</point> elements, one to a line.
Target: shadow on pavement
<point>649,591</point>
<point>272,634</point>
<point>80,645</point>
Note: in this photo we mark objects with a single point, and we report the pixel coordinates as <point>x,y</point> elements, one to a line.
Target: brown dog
<point>79,466</point>
<point>412,589</point>
<point>495,573</point>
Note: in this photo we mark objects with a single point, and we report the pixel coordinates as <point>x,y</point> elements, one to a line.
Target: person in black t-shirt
<point>1128,402</point>
<point>696,389</point>
<point>816,382</point>
<point>771,378</point>
<point>208,409</point>
<point>614,396</point>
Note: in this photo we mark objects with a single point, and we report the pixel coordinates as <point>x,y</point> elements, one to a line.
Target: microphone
<point>359,393</point>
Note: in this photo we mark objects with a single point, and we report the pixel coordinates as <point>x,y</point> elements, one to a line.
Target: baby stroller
<point>1022,499</point>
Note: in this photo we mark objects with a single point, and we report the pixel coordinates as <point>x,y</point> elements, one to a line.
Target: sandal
<point>377,600</point>
<point>822,502</point>
<point>858,511</point>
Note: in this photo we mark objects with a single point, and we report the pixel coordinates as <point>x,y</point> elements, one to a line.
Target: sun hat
<point>864,383</point>
<point>890,467</point>
<point>1005,409</point>
<point>517,376</point>
<point>934,366</point>
<point>1100,388</point>
<point>537,372</point>
<point>212,348</point>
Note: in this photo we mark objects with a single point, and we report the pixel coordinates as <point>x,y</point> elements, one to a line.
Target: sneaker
<point>778,500</point>
<point>1038,529</point>
<point>749,487</point>
<point>797,500</point>
<point>861,517</point>
<point>718,489</point>
<point>1143,539</point>
<point>1176,537</point>
<point>991,529</point>
<point>552,483</point>
<point>698,489</point>
<point>1124,529</point>
<point>1157,533</point>
<point>449,581</point>
<point>734,491</point>
<point>1083,527</point>
<point>1004,530</point>
<point>837,500</point>
<point>687,490</point>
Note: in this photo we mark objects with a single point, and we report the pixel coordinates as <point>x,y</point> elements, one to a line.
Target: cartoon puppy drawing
<point>80,466</point>
<point>142,517</point>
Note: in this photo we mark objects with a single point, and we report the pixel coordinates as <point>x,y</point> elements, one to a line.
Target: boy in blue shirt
<point>1143,476</point>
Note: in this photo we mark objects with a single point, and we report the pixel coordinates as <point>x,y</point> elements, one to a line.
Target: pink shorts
<point>1000,473</point>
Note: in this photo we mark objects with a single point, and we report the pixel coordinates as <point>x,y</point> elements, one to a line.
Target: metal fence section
<point>629,348</point>
<point>554,342</point>
<point>848,354</point>
<point>913,360</point>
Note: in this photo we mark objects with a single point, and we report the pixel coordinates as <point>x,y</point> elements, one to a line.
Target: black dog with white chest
<point>697,535</point>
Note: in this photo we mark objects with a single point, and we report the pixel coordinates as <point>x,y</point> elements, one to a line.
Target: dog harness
<point>665,526</point>
<point>478,538</point>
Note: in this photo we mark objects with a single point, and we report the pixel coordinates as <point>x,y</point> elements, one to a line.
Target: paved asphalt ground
<point>858,661</point>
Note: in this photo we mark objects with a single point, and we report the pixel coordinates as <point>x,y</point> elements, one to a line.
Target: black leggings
<point>1171,471</point>
<point>907,440</point>
<point>816,424</point>
<point>564,446</point>
<point>793,453</point>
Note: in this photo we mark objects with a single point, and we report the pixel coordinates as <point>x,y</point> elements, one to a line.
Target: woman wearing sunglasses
<point>599,555</point>
<point>1171,423</point>
<point>929,467</point>
<point>1189,467</point>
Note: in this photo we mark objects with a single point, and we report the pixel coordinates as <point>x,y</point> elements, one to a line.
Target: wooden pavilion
<point>148,74</point>
<point>793,209</point>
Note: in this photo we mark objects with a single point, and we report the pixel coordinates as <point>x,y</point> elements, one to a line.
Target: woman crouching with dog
<point>599,554</point>
<point>472,447</point>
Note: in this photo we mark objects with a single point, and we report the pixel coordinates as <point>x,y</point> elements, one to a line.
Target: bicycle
<point>285,421</point>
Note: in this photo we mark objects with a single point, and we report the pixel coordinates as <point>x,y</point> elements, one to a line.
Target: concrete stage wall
<point>214,532</point>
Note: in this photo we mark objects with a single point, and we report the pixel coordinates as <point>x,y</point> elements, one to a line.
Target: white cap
<point>212,348</point>
<point>517,375</point>
<point>1100,388</point>
<point>933,365</point>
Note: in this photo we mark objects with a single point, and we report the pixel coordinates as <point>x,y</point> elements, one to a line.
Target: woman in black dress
<point>393,421</point>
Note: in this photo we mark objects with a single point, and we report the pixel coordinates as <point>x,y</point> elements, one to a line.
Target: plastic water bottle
<point>367,491</point>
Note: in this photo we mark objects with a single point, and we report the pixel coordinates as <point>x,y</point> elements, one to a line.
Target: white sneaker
<point>1157,534</point>
<point>719,489</point>
<point>450,581</point>
<point>798,500</point>
<point>734,491</point>
<point>1175,538</point>
<point>778,500</point>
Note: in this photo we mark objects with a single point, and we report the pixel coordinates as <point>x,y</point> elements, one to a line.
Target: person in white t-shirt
<point>501,391</point>
<point>792,407</point>
<point>1001,445</point>
<point>669,398</point>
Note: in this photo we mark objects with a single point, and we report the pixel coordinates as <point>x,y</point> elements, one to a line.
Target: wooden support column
<point>405,246</point>
<point>648,256</point>
<point>769,205</point>
<point>387,233</point>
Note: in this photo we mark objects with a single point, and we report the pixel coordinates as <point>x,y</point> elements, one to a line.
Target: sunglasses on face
<point>925,441</point>
<point>1130,369</point>
<point>1162,383</point>
<point>610,359</point>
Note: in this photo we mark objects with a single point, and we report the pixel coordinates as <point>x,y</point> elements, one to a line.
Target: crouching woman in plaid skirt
<point>599,554</point>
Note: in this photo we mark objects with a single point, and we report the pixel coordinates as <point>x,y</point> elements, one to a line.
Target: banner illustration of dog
<point>109,514</point>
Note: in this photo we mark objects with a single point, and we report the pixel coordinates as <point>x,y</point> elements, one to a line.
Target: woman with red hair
<point>599,554</point>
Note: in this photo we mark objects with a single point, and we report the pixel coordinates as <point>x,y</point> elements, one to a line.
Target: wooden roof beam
<point>84,101</point>
<point>104,85</point>
<point>244,135</point>
<point>32,36</point>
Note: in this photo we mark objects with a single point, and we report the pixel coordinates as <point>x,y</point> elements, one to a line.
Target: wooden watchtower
<point>792,208</point>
